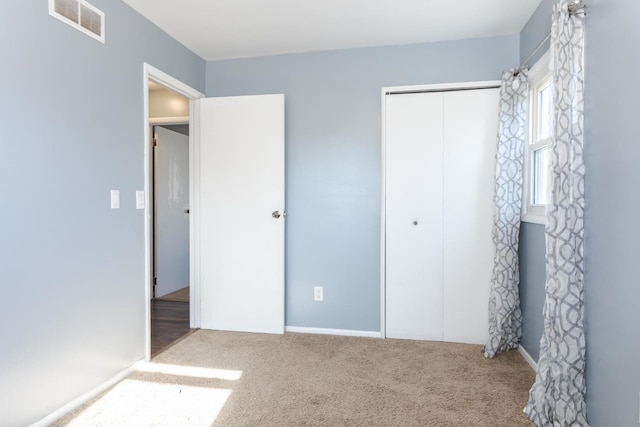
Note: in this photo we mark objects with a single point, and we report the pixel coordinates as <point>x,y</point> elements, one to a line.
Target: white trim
<point>534,214</point>
<point>178,120</point>
<point>194,216</point>
<point>339,332</point>
<point>151,73</point>
<point>383,227</point>
<point>82,399</point>
<point>528,358</point>
<point>77,25</point>
<point>383,220</point>
<point>171,83</point>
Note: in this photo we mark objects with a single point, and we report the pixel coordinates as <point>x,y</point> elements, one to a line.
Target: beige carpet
<point>239,379</point>
<point>181,295</point>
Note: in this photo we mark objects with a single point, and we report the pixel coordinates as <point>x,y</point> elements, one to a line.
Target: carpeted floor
<point>181,295</point>
<point>240,379</point>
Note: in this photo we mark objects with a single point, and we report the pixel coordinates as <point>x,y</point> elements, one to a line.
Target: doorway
<point>170,195</point>
<point>171,299</point>
<point>242,242</point>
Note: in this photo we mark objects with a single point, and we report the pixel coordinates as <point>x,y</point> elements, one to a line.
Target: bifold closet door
<point>414,214</point>
<point>439,172</point>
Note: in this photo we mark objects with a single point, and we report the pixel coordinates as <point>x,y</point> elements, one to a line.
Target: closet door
<point>470,132</point>
<point>440,163</point>
<point>414,215</point>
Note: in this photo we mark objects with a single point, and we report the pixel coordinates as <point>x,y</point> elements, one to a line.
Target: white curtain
<point>558,396</point>
<point>505,317</point>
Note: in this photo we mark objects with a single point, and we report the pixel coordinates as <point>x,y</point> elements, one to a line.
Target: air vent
<point>80,15</point>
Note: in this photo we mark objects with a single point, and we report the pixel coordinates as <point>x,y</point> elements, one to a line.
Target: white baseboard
<point>76,403</point>
<point>528,358</point>
<point>341,332</point>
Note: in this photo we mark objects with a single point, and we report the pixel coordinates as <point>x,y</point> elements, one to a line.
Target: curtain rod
<point>408,92</point>
<point>533,52</point>
<point>575,8</point>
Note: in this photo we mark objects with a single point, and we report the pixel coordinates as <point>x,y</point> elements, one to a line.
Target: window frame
<point>539,78</point>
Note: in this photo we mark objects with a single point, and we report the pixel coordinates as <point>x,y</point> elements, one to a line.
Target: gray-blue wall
<point>612,230</point>
<point>333,159</point>
<point>532,278</point>
<point>532,249</point>
<point>71,269</point>
<point>612,151</point>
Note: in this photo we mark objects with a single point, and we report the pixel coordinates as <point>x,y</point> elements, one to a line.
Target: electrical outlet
<point>318,294</point>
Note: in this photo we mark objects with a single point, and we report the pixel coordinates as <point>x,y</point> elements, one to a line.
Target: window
<point>538,150</point>
<point>80,15</point>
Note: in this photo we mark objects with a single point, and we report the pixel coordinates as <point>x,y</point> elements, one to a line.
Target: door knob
<point>415,222</point>
<point>275,214</point>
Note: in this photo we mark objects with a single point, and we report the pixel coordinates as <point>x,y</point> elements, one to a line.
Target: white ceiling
<point>222,29</point>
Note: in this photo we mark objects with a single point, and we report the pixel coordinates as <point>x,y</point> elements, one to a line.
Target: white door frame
<point>154,74</point>
<point>490,84</point>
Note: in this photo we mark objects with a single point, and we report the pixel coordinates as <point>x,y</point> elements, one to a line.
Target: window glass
<point>541,163</point>
<point>544,112</point>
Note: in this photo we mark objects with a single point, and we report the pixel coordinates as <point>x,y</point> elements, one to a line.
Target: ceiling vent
<point>80,15</point>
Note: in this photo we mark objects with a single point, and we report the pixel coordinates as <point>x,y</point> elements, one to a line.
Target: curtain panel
<point>505,316</point>
<point>558,396</point>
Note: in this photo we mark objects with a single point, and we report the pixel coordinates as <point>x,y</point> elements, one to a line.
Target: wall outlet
<point>318,293</point>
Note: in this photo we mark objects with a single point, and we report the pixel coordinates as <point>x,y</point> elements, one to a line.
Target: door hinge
<point>155,142</point>
<point>155,287</point>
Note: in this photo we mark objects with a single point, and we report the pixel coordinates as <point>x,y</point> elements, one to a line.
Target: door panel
<point>414,195</point>
<point>171,182</point>
<point>241,165</point>
<point>470,129</point>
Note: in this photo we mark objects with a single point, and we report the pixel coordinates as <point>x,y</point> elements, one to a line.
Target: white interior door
<point>414,178</point>
<point>470,129</point>
<point>241,182</point>
<point>171,195</point>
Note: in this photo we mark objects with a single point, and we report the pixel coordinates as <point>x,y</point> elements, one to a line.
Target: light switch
<point>115,199</point>
<point>139,199</point>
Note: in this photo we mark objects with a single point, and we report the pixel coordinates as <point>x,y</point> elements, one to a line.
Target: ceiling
<point>223,29</point>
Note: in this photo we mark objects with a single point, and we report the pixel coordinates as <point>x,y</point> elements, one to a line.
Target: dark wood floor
<point>169,323</point>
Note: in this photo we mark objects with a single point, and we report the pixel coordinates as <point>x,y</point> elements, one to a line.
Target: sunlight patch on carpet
<point>190,371</point>
<point>143,403</point>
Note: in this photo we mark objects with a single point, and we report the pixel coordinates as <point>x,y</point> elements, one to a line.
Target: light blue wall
<point>611,154</point>
<point>532,249</point>
<point>333,159</point>
<point>612,151</point>
<point>532,278</point>
<point>71,269</point>
<point>535,31</point>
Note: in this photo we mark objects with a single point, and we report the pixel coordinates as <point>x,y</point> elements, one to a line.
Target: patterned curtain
<point>558,396</point>
<point>505,317</point>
